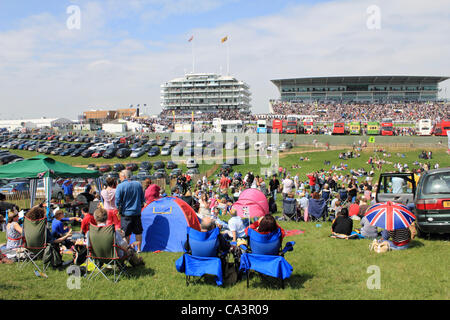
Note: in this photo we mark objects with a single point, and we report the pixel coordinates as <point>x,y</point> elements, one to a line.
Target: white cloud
<point>43,72</point>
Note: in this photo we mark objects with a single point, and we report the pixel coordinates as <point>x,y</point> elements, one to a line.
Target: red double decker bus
<point>387,127</point>
<point>441,128</point>
<point>339,128</point>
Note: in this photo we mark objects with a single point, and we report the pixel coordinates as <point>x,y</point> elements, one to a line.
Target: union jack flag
<point>390,216</point>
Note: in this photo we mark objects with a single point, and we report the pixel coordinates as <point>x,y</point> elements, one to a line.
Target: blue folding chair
<point>202,255</point>
<point>264,255</point>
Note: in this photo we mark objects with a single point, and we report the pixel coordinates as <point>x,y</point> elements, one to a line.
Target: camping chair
<point>290,209</point>
<point>317,211</point>
<point>202,256</point>
<point>35,242</point>
<point>103,252</point>
<point>264,255</point>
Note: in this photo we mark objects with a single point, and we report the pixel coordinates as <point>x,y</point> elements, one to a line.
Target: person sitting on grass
<point>368,231</point>
<point>125,251</point>
<point>400,238</point>
<point>342,224</point>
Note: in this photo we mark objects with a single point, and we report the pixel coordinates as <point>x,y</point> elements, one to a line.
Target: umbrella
<point>252,202</point>
<point>390,216</point>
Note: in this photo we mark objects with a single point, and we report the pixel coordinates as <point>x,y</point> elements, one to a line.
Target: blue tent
<point>165,222</point>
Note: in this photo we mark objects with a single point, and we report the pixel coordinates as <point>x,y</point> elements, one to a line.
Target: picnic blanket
<point>293,232</point>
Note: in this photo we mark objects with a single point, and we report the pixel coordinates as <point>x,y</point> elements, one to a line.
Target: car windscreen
<point>437,183</point>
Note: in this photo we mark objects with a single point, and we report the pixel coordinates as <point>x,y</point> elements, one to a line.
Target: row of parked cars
<point>142,171</point>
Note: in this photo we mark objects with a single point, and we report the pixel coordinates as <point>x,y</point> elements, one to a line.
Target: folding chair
<point>202,256</point>
<point>35,242</point>
<point>103,252</point>
<point>290,209</point>
<point>264,255</point>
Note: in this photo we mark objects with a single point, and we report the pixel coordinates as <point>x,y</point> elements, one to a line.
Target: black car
<point>154,151</point>
<point>118,167</point>
<point>76,153</point>
<point>171,165</point>
<point>158,165</point>
<point>87,153</point>
<point>145,165</point>
<point>110,153</point>
<point>123,153</point>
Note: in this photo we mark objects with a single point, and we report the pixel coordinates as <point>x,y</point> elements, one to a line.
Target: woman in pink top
<point>109,199</point>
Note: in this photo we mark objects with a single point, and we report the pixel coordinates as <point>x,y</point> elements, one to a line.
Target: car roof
<point>447,169</point>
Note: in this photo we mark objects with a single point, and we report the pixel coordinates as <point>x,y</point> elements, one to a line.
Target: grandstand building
<point>371,89</point>
<point>204,93</point>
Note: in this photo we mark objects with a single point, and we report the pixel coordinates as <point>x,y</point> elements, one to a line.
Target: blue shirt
<point>68,188</point>
<point>58,228</point>
<point>130,198</point>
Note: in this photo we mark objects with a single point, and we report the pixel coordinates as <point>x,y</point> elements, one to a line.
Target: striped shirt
<point>400,236</point>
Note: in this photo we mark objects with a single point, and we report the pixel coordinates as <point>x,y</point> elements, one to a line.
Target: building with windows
<point>204,93</point>
<point>371,89</point>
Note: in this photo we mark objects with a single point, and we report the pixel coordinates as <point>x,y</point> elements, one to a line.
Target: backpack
<point>79,254</point>
<point>52,255</point>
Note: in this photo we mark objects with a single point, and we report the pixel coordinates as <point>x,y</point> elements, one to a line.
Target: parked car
<point>110,153</point>
<point>139,152</point>
<point>191,163</point>
<point>105,168</point>
<point>14,187</point>
<point>123,153</point>
<point>158,165</point>
<point>118,167</point>
<point>132,166</point>
<point>57,190</point>
<point>243,145</point>
<point>87,153</point>
<point>154,151</point>
<point>171,165</point>
<point>166,150</point>
<point>285,146</point>
<point>192,171</point>
<point>145,165</point>
<point>432,202</point>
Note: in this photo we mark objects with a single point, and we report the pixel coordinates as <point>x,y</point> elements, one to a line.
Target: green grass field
<point>324,268</point>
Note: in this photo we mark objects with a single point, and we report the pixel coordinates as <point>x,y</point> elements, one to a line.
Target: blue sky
<point>126,49</point>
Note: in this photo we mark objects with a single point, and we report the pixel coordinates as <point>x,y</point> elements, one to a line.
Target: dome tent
<point>165,223</point>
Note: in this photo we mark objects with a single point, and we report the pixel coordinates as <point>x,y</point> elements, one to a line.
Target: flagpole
<point>193,57</point>
<point>228,59</point>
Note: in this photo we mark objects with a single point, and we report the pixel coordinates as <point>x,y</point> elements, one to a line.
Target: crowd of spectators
<point>365,111</point>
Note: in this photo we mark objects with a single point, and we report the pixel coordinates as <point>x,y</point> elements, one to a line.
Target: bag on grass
<point>379,247</point>
<point>52,256</point>
<point>79,254</point>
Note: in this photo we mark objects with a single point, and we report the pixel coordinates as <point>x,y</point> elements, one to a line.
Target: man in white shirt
<point>288,184</point>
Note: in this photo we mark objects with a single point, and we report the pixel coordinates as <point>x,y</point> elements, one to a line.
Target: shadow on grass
<point>141,271</point>
<point>296,281</point>
<point>415,244</point>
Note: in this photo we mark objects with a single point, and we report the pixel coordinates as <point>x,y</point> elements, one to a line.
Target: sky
<point>55,62</point>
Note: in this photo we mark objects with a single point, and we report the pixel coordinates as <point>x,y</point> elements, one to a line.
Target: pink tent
<point>254,200</point>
